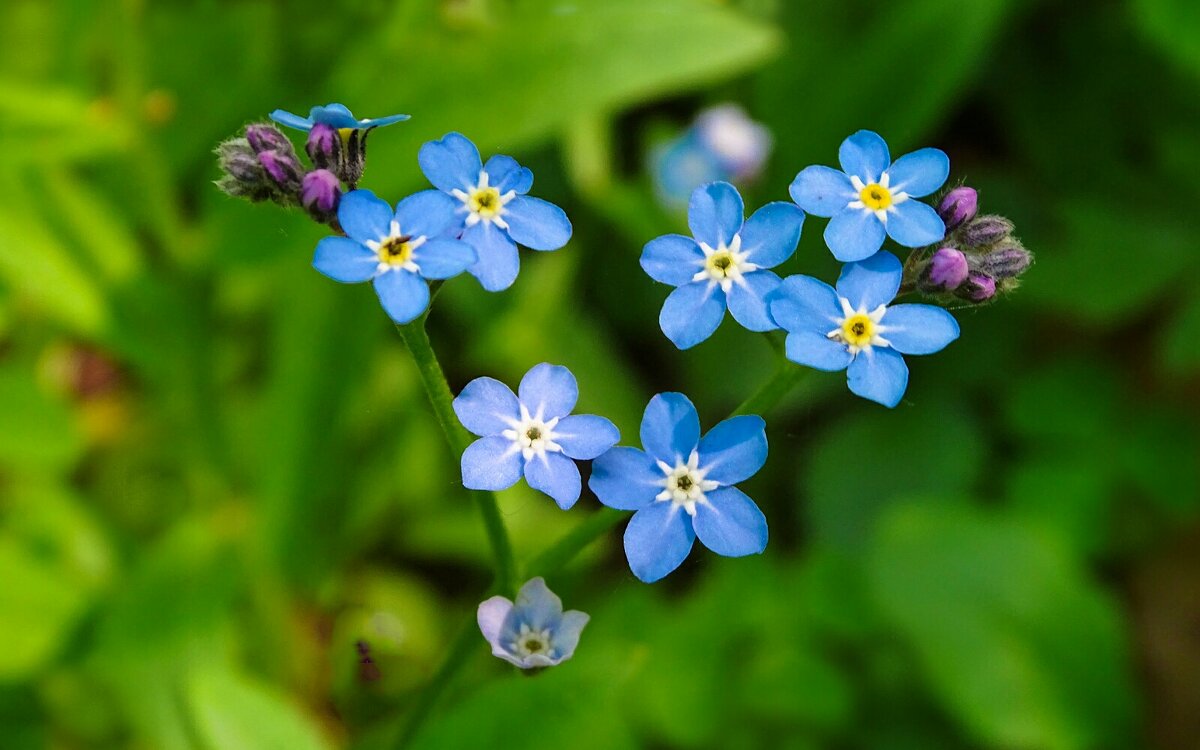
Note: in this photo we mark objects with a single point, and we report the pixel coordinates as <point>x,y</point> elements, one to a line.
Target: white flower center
<point>684,483</point>
<point>532,435</point>
<point>529,642</point>
<point>396,250</point>
<point>484,202</point>
<point>858,329</point>
<point>725,265</point>
<point>876,198</point>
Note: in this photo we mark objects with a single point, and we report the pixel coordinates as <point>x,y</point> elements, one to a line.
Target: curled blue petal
<point>491,463</point>
<point>444,259</point>
<point>498,262</point>
<point>566,636</point>
<point>816,350</point>
<point>537,224</point>
<point>403,294</point>
<point>486,406</point>
<point>691,313</point>
<point>879,375</point>
<point>585,436</point>
<point>770,235</point>
<point>626,478</point>
<point>505,173</point>
<point>555,475</point>
<point>918,329</point>
<point>747,300</point>
<point>345,260</point>
<point>854,234</point>
<point>379,122</point>
<point>914,224</point>
<point>548,391</point>
<point>822,191</point>
<point>864,155</point>
<point>670,428</point>
<point>734,450</point>
<point>287,119</point>
<point>451,163</point>
<point>657,539</point>
<point>872,282</point>
<point>428,213</point>
<point>537,606</point>
<point>730,524</point>
<point>334,115</point>
<point>803,303</point>
<point>715,213</point>
<point>672,259</point>
<point>364,217</point>
<point>919,173</point>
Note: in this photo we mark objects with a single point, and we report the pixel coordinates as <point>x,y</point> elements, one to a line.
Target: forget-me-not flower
<point>495,214</point>
<point>531,433</point>
<point>534,631</point>
<point>681,486</point>
<point>397,250</point>
<point>872,196</point>
<point>335,116</point>
<point>853,328</point>
<point>723,265</point>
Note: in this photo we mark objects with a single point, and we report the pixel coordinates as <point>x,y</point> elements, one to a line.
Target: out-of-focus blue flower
<point>722,144</point>
<point>397,250</point>
<point>872,196</point>
<point>681,486</point>
<point>534,631</point>
<point>852,327</point>
<point>333,115</point>
<point>723,266</point>
<point>495,214</point>
<point>531,433</point>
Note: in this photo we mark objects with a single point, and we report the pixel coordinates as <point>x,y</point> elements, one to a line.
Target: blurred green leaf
<point>1178,347</point>
<point>38,605</point>
<point>1174,27</point>
<point>40,431</point>
<point>235,712</point>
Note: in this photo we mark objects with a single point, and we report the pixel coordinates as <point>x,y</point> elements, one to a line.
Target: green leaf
<point>1014,638</point>
<point>1174,26</point>
<point>1178,348</point>
<point>234,712</point>
<point>38,605</point>
<point>40,431</point>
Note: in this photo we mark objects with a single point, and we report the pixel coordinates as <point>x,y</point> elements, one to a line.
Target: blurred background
<point>218,472</point>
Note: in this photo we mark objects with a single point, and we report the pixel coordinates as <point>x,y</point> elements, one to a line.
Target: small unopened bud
<point>324,147</point>
<point>283,169</point>
<point>1006,261</point>
<point>320,193</point>
<point>243,167</point>
<point>958,207</point>
<point>979,287</point>
<point>985,230</point>
<point>244,176</point>
<point>264,137</point>
<point>946,271</point>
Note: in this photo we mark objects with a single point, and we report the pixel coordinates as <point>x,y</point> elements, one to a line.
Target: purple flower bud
<point>321,192</point>
<point>243,167</point>
<point>283,169</point>
<point>1006,261</point>
<point>946,271</point>
<point>985,230</point>
<point>979,287</point>
<point>264,137</point>
<point>958,206</point>
<point>324,146</point>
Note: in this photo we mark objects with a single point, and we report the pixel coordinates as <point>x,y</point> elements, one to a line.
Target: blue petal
<point>625,478</point>
<point>498,262</point>
<point>879,375</point>
<point>536,224</point>
<point>871,282</point>
<point>918,329</point>
<point>672,259</point>
<point>491,463</point>
<point>566,637</point>
<point>443,259</point>
<point>854,234</point>
<point>657,539</point>
<point>730,523</point>
<point>557,476</point>
<point>770,235</point>
<point>678,167</point>
<point>505,173</point>
<point>403,294</point>
<point>585,436</point>
<point>919,173</point>
<point>822,191</point>
<point>342,259</point>
<point>491,616</point>
<point>379,122</point>
<point>486,406</point>
<point>451,163</point>
<point>537,606</point>
<point>715,213</point>
<point>287,119</point>
<point>334,115</point>
<point>548,391</point>
<point>748,300</point>
<point>864,155</point>
<point>915,224</point>
<point>691,313</point>
<point>428,213</point>
<point>364,217</point>
<point>734,450</point>
<point>816,350</point>
<point>803,303</point>
<point>670,428</point>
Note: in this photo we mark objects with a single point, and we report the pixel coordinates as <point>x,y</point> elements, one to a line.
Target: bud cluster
<point>978,260</point>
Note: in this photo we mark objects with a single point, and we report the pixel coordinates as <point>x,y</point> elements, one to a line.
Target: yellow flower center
<point>875,196</point>
<point>485,201</point>
<point>858,330</point>
<point>719,263</point>
<point>533,645</point>
<point>395,251</point>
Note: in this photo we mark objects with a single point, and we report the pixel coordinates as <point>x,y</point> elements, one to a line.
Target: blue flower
<point>397,250</point>
<point>681,486</point>
<point>495,214</point>
<point>333,115</point>
<point>533,632</point>
<point>533,433</point>
<point>873,196</point>
<point>723,266</point>
<point>852,328</point>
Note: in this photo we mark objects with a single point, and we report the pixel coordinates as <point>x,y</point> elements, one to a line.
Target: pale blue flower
<point>533,632</point>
